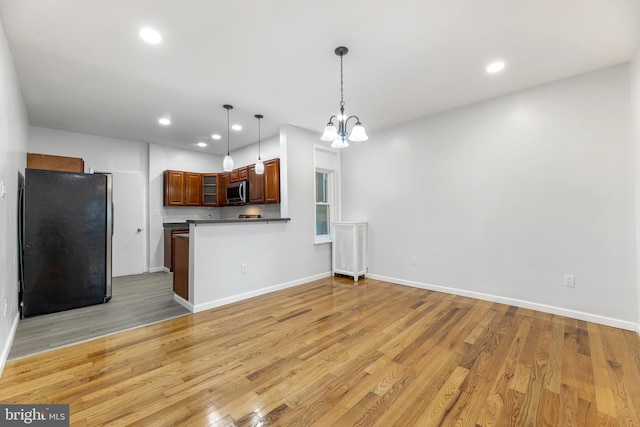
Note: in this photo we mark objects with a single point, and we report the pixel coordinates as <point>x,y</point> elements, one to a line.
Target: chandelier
<point>338,136</point>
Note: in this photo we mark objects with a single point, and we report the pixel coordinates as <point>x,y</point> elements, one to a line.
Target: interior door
<point>128,224</point>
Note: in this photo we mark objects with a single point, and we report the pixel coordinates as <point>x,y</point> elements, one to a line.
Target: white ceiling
<point>83,68</point>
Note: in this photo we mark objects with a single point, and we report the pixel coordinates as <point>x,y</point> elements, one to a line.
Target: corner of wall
<point>634,88</point>
<point>4,354</point>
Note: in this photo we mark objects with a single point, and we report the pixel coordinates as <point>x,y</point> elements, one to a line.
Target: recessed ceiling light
<point>494,67</point>
<point>150,35</point>
<point>164,121</point>
<point>202,144</point>
<point>236,127</point>
<point>215,136</point>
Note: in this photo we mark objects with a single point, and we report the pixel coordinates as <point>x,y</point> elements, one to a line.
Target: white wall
<point>13,148</point>
<point>501,198</point>
<point>634,74</point>
<point>269,149</point>
<point>99,153</point>
<point>277,254</point>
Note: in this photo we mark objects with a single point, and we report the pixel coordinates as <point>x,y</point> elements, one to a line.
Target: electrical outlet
<point>569,280</point>
<point>3,190</point>
<point>414,260</point>
<point>243,268</point>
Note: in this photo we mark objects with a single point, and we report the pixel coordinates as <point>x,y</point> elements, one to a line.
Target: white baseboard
<point>183,302</point>
<point>560,311</point>
<point>158,269</point>
<point>7,345</point>
<point>235,298</point>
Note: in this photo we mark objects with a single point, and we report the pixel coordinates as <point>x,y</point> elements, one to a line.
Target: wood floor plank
<point>625,383</point>
<point>601,381</point>
<point>330,353</point>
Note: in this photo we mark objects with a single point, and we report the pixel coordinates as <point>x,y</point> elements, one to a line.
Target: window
<point>323,206</point>
<point>327,188</point>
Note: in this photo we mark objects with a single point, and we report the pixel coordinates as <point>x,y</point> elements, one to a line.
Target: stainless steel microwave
<point>238,193</point>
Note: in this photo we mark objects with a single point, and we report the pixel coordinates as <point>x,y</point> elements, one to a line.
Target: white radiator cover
<point>349,254</point>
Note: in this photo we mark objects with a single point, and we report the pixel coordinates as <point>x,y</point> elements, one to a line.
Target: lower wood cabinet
<point>169,249</point>
<point>181,266</point>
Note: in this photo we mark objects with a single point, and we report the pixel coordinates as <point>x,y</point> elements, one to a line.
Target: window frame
<point>333,190</point>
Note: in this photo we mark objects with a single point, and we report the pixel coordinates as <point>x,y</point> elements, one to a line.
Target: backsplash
<point>183,213</point>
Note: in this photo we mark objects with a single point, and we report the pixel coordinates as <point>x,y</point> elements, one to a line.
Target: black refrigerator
<point>67,227</point>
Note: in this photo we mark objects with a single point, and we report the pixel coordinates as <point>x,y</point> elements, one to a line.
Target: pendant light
<point>259,164</point>
<point>227,163</point>
<point>338,136</point>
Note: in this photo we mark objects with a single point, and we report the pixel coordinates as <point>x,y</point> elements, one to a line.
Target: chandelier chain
<point>341,83</point>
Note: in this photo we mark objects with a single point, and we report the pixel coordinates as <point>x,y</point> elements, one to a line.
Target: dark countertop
<point>176,225</point>
<point>236,220</point>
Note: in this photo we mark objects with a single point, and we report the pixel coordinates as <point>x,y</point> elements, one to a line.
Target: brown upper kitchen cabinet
<point>210,189</point>
<point>272,181</point>
<point>182,188</point>
<point>223,180</point>
<point>174,188</point>
<point>243,173</point>
<point>193,189</point>
<point>256,186</point>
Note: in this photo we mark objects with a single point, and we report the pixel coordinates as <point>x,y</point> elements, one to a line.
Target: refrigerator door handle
<point>110,224</point>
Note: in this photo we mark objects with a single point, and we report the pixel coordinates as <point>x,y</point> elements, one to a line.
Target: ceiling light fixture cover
<point>227,163</point>
<point>494,67</point>
<point>150,35</point>
<point>259,168</point>
<point>338,136</point>
<point>164,121</point>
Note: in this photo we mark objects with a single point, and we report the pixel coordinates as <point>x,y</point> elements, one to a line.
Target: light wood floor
<point>137,300</point>
<point>328,353</point>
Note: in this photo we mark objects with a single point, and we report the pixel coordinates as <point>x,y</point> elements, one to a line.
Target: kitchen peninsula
<point>232,259</point>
